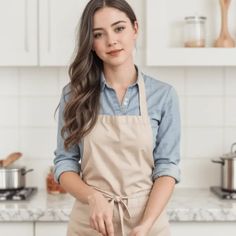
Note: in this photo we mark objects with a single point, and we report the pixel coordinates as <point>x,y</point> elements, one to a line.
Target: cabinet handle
<point>49,25</point>
<point>26,41</point>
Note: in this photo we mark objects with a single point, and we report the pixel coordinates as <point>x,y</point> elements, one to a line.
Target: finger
<point>109,227</point>
<point>101,225</point>
<point>94,223</point>
<point>133,233</point>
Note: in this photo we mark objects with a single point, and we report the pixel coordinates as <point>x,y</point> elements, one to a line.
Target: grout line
<point>19,108</point>
<point>2,126</point>
<point>203,158</point>
<point>31,96</point>
<point>224,110</point>
<point>58,80</point>
<point>38,34</point>
<point>185,113</point>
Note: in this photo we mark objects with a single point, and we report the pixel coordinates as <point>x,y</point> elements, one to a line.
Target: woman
<point>122,127</point>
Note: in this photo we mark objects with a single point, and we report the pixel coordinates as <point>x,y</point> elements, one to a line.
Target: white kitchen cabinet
<point>50,228</point>
<point>165,35</point>
<point>18,25</point>
<point>13,229</point>
<point>58,22</point>
<point>40,32</point>
<point>203,228</point>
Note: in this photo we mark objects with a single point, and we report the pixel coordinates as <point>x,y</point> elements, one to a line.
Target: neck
<point>120,76</point>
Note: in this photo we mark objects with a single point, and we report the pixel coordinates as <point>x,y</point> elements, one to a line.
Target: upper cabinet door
<point>18,25</point>
<point>58,21</point>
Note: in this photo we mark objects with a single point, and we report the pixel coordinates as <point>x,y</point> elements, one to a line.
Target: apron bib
<point>118,162</point>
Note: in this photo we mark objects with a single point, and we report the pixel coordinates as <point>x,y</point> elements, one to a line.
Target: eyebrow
<point>115,23</point>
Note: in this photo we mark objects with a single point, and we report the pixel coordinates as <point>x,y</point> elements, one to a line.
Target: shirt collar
<point>104,83</point>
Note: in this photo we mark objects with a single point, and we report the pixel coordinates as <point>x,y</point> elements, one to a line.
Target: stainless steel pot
<point>228,170</point>
<point>13,177</point>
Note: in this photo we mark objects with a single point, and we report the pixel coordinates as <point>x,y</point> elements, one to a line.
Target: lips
<point>114,52</point>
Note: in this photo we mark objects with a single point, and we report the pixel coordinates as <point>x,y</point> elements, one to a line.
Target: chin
<point>116,61</point>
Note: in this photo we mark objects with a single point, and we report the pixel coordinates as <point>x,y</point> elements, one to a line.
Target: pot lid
<point>230,155</point>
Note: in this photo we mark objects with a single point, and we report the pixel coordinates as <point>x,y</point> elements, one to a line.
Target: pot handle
<point>25,172</point>
<point>218,161</point>
<point>232,148</point>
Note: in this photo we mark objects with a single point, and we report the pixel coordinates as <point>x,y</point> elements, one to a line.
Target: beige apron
<point>118,161</point>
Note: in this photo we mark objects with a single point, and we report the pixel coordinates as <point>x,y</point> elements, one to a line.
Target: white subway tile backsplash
<point>9,81</point>
<point>173,76</point>
<point>199,173</point>
<point>229,138</point>
<point>182,108</point>
<point>39,82</point>
<point>38,143</point>
<point>203,142</point>
<point>9,139</point>
<point>207,111</point>
<point>37,178</point>
<point>183,142</point>
<point>204,81</point>
<point>38,111</point>
<point>230,81</point>
<point>230,111</point>
<point>63,77</point>
<point>9,107</point>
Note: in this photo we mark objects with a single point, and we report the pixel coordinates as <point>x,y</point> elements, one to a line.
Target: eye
<point>119,29</point>
<point>97,35</point>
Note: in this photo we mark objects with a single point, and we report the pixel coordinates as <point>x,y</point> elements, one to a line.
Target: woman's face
<point>114,36</point>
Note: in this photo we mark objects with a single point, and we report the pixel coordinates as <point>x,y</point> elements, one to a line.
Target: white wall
<point>29,96</point>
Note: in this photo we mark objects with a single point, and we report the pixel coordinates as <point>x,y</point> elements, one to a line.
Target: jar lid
<point>195,18</point>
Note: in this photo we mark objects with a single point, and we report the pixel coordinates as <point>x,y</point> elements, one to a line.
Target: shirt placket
<point>125,102</point>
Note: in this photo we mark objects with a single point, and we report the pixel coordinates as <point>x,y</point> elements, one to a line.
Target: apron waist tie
<point>120,201</point>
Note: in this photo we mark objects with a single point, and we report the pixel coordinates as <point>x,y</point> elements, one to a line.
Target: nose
<point>111,40</point>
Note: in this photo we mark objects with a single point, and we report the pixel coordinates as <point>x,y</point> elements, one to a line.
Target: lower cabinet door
<point>13,229</point>
<point>203,228</point>
<point>50,228</point>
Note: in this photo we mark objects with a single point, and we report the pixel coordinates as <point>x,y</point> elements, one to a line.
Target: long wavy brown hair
<point>82,108</point>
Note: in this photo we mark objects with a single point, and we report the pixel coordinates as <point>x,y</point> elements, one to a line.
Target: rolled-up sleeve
<point>167,149</point>
<point>65,160</point>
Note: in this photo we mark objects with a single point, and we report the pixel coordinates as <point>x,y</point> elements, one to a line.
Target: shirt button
<point>125,101</point>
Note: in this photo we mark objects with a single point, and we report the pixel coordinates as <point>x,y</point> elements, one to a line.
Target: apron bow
<point>120,201</point>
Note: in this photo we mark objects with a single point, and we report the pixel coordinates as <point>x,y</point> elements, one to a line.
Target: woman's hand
<point>101,213</point>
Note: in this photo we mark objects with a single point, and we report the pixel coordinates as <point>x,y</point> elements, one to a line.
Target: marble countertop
<point>186,204</point>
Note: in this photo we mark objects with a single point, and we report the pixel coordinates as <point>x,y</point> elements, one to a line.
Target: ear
<point>135,27</point>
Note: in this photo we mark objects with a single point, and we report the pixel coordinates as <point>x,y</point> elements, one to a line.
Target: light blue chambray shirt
<point>163,110</point>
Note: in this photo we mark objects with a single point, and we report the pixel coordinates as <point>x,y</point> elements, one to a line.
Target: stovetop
<point>17,194</point>
<point>223,194</point>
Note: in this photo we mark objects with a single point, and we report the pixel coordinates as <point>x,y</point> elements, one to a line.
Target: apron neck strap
<point>142,97</point>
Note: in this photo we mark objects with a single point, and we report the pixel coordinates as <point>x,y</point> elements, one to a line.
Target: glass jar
<point>194,31</point>
<point>52,186</point>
